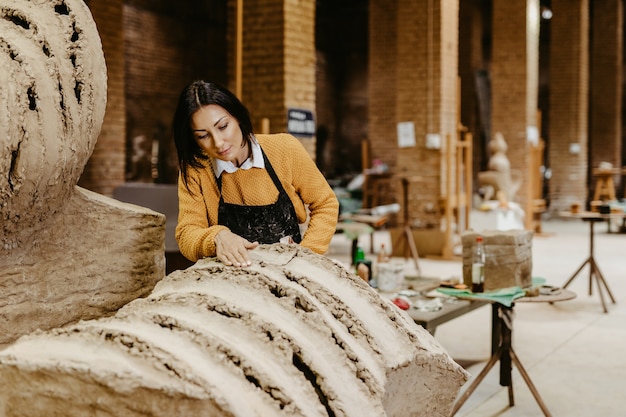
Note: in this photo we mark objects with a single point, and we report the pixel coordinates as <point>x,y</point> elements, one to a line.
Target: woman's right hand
<point>232,249</point>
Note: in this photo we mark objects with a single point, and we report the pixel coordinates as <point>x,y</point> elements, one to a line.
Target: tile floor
<point>574,353</point>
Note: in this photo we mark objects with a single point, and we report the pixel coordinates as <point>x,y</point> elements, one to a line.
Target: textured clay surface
<point>292,335</point>
<point>65,253</point>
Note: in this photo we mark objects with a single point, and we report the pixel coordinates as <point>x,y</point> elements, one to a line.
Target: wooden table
<point>502,351</point>
<point>450,310</point>
<point>594,270</point>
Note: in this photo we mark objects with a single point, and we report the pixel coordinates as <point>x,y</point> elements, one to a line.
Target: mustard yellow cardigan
<point>302,180</point>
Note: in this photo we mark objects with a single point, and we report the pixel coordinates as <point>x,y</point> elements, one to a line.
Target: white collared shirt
<point>256,161</point>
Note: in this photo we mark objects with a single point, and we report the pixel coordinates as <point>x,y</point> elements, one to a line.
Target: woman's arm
<point>198,233</point>
<point>316,193</point>
<point>195,232</point>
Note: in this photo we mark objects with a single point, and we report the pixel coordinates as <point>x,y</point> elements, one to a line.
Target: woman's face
<point>218,134</point>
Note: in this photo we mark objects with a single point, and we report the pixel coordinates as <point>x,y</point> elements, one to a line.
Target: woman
<point>237,189</point>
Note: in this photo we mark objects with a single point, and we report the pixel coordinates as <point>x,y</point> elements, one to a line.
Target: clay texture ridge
<point>65,253</point>
<point>293,335</point>
<point>52,105</point>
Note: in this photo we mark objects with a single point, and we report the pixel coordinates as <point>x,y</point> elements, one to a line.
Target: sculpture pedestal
<point>497,218</point>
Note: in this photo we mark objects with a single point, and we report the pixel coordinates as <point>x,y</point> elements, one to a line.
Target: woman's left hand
<point>232,249</point>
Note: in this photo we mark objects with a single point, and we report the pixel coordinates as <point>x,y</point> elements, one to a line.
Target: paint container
<point>390,276</point>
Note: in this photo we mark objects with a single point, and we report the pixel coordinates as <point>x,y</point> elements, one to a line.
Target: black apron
<point>263,224</point>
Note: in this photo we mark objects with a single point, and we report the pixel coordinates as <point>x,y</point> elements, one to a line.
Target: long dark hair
<point>194,96</point>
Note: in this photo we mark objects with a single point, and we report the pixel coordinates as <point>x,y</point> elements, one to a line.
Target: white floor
<point>574,353</point>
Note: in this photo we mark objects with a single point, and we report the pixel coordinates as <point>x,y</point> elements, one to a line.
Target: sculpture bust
<point>499,180</point>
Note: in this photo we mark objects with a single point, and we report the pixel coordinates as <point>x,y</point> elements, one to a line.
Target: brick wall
<point>105,169</point>
<point>606,83</point>
<point>413,64</point>
<point>152,48</point>
<point>471,60</point>
<point>382,80</point>
<point>515,73</point>
<point>300,59</point>
<point>569,84</point>
<point>167,46</point>
<point>263,62</point>
<point>278,62</point>
<point>341,109</point>
<point>326,117</point>
<point>341,86</point>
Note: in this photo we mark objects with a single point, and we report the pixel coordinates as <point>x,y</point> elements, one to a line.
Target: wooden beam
<point>239,49</point>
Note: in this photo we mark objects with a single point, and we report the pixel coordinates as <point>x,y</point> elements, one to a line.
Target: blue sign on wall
<point>300,123</point>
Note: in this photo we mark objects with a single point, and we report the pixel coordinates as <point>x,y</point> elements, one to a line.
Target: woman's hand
<point>232,249</point>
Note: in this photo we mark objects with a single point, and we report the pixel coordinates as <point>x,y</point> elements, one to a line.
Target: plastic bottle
<point>359,255</point>
<point>478,266</point>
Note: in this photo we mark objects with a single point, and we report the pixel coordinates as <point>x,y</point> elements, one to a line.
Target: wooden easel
<point>535,203</point>
<point>458,181</point>
<point>464,189</point>
<point>407,233</point>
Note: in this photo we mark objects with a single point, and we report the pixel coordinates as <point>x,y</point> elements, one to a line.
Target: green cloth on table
<point>504,296</point>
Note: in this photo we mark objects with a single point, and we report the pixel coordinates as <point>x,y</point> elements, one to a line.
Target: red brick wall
<point>169,43</point>
<point>105,169</point>
<point>382,77</point>
<point>474,20</point>
<point>300,60</point>
<point>263,63</point>
<point>413,78</point>
<point>606,82</point>
<point>569,84</point>
<point>167,46</point>
<point>341,86</point>
<point>515,72</point>
<point>382,80</point>
<point>152,49</point>
<point>278,63</point>
<point>327,119</point>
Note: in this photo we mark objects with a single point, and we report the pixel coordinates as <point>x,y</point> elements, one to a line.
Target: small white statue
<point>500,180</point>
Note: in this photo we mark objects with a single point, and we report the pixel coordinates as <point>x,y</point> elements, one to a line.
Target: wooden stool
<point>376,189</point>
<point>605,187</point>
<point>407,233</point>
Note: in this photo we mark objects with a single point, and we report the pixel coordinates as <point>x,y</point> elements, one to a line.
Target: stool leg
<point>530,384</point>
<point>468,392</point>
